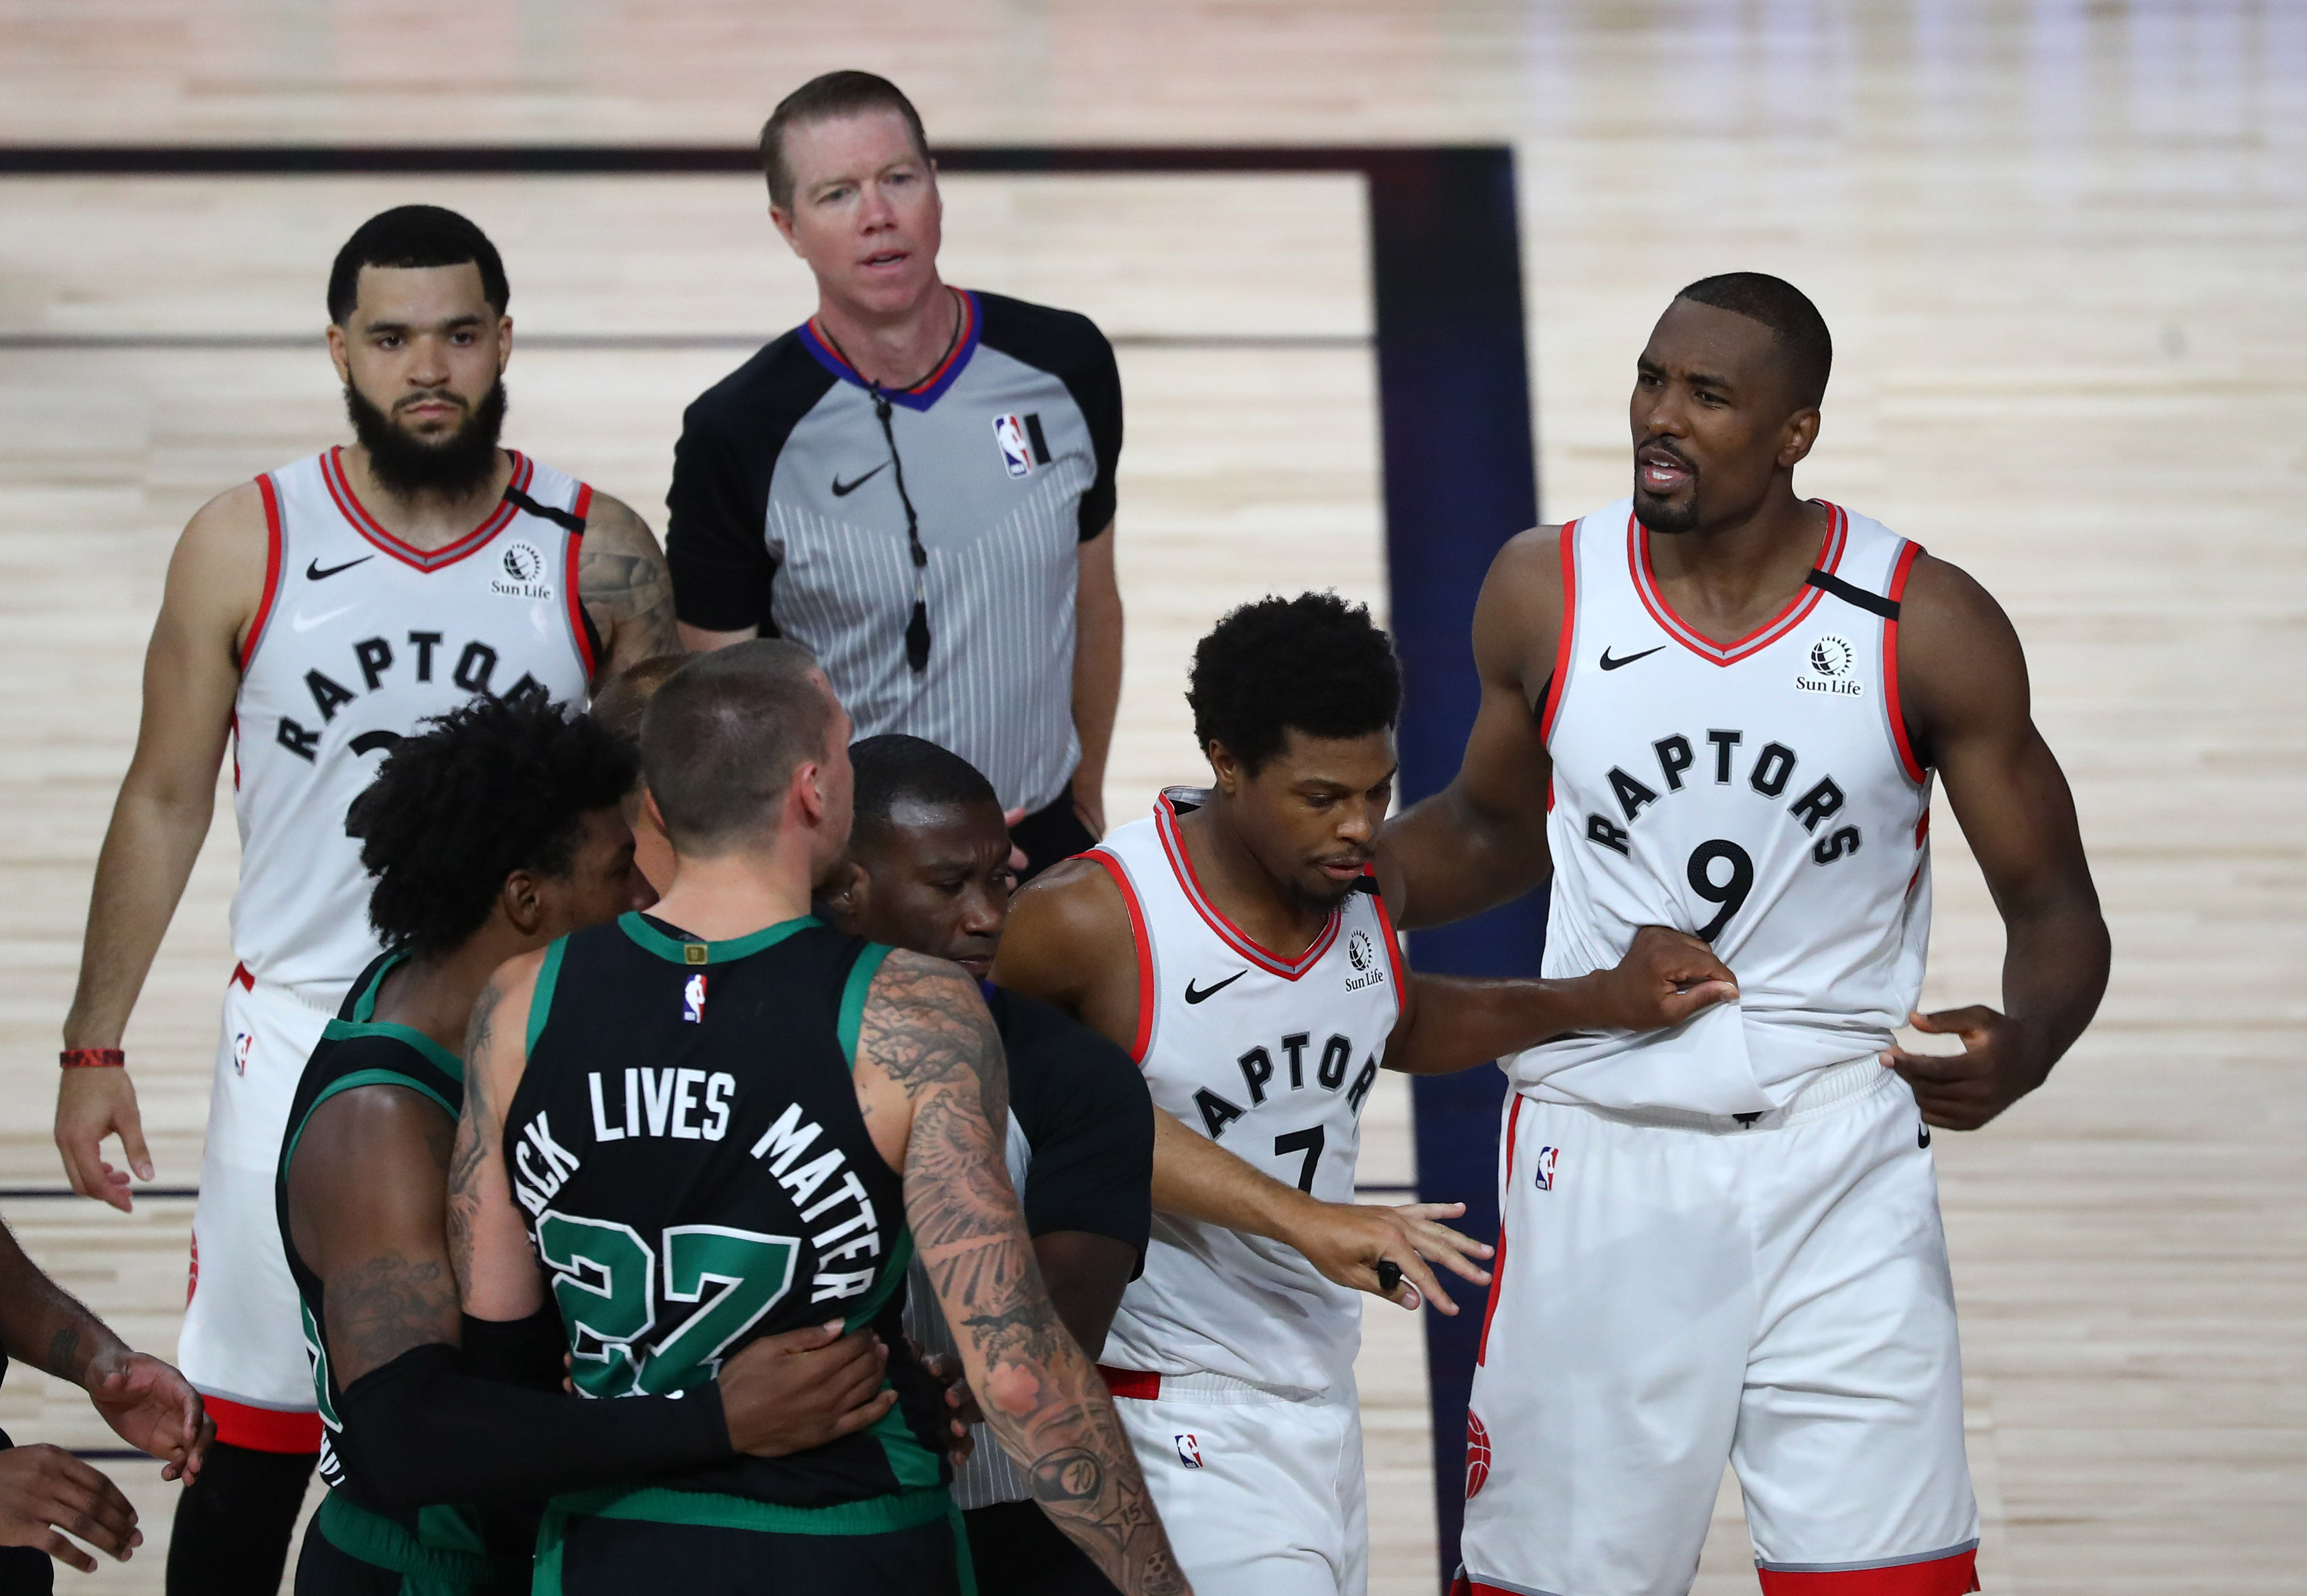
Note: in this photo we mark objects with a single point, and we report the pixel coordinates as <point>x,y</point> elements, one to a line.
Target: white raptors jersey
<point>358,639</point>
<point>1272,1060</point>
<point>1760,795</point>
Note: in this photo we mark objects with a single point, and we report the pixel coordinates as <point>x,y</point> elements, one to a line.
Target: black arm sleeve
<point>421,1431</point>
<point>525,1352</point>
<point>1089,1120</point>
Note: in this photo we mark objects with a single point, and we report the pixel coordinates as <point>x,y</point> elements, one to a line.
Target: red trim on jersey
<point>1165,820</point>
<point>1908,762</point>
<point>349,504</point>
<point>568,587</point>
<point>263,1430</point>
<point>1923,826</point>
<point>247,982</point>
<point>1940,1576</point>
<point>1133,1383</point>
<point>1393,944</point>
<point>1562,645</point>
<point>1144,943</point>
<point>1798,607</point>
<point>275,550</point>
<point>1498,1263</point>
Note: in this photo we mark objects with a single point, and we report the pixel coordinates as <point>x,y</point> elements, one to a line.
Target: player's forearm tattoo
<point>387,1306</point>
<point>623,579</point>
<point>476,1129</point>
<point>927,1030</point>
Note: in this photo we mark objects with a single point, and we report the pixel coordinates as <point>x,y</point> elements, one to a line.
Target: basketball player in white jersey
<point>1721,707</point>
<point>1239,945</point>
<point>315,616</point>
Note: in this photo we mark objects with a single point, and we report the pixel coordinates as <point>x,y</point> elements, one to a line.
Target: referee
<point>929,869</point>
<point>916,484</point>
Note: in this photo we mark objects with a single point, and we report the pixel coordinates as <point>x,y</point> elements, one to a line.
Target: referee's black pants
<point>1050,835</point>
<point>1019,1552</point>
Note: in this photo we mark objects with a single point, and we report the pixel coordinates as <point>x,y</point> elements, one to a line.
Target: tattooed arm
<point>622,578</point>
<point>932,1079</point>
<point>497,1275</point>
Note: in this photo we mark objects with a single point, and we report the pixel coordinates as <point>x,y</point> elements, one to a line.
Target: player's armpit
<point>1481,841</point>
<point>366,1208</point>
<point>926,1033</point>
<point>497,1275</point>
<point>623,583</point>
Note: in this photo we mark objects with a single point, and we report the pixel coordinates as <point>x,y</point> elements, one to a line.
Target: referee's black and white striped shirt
<point>786,516</point>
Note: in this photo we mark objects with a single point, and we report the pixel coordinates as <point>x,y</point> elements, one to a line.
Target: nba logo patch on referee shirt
<point>693,1000</point>
<point>1023,446</point>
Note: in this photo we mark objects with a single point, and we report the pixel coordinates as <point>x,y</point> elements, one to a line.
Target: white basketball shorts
<point>242,1345</point>
<point>1677,1289</point>
<point>1261,1495</point>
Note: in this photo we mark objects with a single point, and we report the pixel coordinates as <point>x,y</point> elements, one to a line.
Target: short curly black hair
<point>1313,664</point>
<point>497,785</point>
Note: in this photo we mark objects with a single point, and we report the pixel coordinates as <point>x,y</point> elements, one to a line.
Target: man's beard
<point>409,468</point>
<point>1660,516</point>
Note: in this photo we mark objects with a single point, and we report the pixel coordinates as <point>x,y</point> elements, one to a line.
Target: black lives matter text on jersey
<point>376,663</point>
<point>1769,775</point>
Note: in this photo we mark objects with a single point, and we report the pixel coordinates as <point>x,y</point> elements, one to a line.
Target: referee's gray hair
<point>828,98</point>
<point>724,735</point>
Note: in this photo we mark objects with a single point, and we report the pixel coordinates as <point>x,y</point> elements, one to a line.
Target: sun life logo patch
<point>1831,661</point>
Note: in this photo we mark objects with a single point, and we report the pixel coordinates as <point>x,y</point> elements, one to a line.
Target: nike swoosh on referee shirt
<point>1611,664</point>
<point>1194,996</point>
<point>841,490</point>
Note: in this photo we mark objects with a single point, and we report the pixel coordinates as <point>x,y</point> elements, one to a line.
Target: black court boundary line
<point>1460,475</point>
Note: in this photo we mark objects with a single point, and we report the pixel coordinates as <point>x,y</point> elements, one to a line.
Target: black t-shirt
<point>1087,1117</point>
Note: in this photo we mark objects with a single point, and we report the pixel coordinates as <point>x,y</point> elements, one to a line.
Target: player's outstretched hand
<point>1666,977</point>
<point>1349,1241</point>
<point>1963,1091</point>
<point>786,1394</point>
<point>90,1105</point>
<point>46,1489</point>
<point>153,1408</point>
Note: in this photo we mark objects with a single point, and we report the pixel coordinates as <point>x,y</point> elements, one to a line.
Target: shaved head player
<point>314,616</point>
<point>1719,706</point>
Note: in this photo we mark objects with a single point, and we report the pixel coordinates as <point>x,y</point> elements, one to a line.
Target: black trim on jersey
<point>1068,345</point>
<point>1826,581</point>
<point>574,524</point>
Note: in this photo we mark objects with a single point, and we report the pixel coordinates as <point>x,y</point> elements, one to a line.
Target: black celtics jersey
<point>687,1145</point>
<point>357,1051</point>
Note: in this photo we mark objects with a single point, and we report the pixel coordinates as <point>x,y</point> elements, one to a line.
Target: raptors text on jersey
<point>1272,1060</point>
<point>1760,795</point>
<point>359,638</point>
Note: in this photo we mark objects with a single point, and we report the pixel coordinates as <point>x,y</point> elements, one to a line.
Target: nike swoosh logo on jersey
<point>1611,664</point>
<point>1922,1135</point>
<point>306,622</point>
<point>1196,996</point>
<point>841,490</point>
<point>313,573</point>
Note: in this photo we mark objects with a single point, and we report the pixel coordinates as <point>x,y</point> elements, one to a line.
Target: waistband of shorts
<point>665,1505</point>
<point>1138,1386</point>
<point>381,1542</point>
<point>1828,1091</point>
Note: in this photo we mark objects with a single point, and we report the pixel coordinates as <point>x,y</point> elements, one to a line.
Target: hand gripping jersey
<point>1760,795</point>
<point>687,1145</point>
<point>360,637</point>
<point>1272,1060</point>
<point>357,1051</point>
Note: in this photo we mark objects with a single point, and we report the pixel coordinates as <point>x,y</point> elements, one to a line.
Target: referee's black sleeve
<point>717,521</point>
<point>1096,388</point>
<point>1089,1119</point>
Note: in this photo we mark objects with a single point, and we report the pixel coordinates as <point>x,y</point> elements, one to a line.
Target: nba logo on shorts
<point>240,1042</point>
<point>1009,432</point>
<point>1189,1451</point>
<point>1542,1169</point>
<point>693,1000</point>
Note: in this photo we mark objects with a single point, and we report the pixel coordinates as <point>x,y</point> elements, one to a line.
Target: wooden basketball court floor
<point>2059,246</point>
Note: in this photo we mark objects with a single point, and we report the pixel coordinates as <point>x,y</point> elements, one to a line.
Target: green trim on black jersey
<point>673,951</point>
<point>364,1000</point>
<point>377,1076</point>
<point>446,1554</point>
<point>540,1000</point>
<point>854,993</point>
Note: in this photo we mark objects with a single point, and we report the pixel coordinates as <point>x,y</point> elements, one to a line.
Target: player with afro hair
<point>1313,664</point>
<point>496,786</point>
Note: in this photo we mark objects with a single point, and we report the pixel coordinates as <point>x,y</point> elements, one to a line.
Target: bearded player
<point>1238,943</point>
<point>1721,707</point>
<point>314,616</point>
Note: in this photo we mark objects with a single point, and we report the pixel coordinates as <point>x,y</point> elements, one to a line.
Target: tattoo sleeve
<point>622,580</point>
<point>477,1132</point>
<point>927,1028</point>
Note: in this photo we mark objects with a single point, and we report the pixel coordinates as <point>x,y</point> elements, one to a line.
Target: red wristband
<point>92,1058</point>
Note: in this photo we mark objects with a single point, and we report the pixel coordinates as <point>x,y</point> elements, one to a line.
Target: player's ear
<point>1795,441</point>
<point>848,892</point>
<point>521,900</point>
<point>1225,767</point>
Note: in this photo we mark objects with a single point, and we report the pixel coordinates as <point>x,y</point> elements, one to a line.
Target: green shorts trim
<point>875,1515</point>
<point>445,1557</point>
